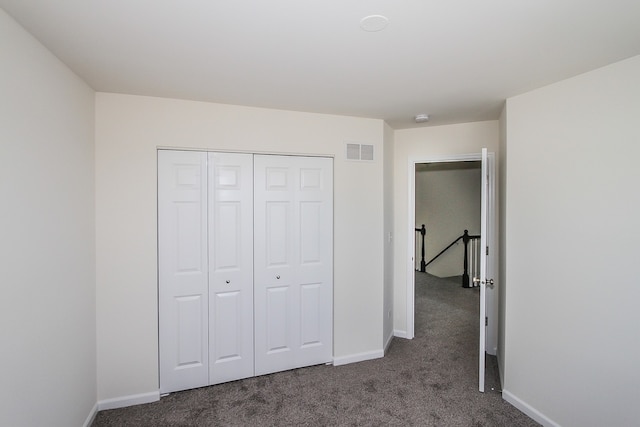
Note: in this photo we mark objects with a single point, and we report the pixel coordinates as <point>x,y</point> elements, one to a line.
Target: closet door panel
<point>231,353</point>
<point>183,270</point>
<point>310,312</point>
<point>278,301</point>
<point>310,233</point>
<point>227,322</point>
<point>293,262</point>
<point>278,235</point>
<point>314,201</point>
<point>274,293</point>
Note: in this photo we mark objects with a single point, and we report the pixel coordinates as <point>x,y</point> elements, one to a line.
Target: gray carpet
<point>428,381</point>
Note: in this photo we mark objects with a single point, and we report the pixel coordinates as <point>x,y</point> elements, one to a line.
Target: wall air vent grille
<point>363,152</point>
<point>366,152</point>
<point>353,151</point>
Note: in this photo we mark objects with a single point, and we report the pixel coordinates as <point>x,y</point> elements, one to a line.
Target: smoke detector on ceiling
<point>373,23</point>
<point>422,118</point>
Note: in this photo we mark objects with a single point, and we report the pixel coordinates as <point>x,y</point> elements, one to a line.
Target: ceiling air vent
<point>359,152</point>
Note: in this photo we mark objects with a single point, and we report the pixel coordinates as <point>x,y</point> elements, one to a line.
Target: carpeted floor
<point>431,380</point>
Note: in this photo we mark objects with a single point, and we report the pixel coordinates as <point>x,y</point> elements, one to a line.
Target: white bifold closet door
<point>245,265</point>
<point>183,270</point>
<point>230,266</point>
<point>205,259</point>
<point>293,262</point>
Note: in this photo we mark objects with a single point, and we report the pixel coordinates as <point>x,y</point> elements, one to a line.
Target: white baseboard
<point>134,399</point>
<point>388,343</point>
<point>91,416</point>
<point>528,410</point>
<point>400,334</point>
<point>360,357</point>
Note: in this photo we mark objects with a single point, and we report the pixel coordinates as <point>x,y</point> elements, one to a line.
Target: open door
<point>484,258</point>
<point>488,297</point>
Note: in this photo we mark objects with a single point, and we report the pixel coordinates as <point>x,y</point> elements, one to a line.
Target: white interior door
<point>230,239</point>
<point>183,270</point>
<point>293,264</point>
<point>484,250</point>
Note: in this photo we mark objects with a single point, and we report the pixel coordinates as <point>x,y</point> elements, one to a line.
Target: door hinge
<point>486,321</point>
<point>487,250</point>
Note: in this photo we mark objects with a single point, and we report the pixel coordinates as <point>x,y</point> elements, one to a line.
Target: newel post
<point>465,275</point>
<point>423,264</point>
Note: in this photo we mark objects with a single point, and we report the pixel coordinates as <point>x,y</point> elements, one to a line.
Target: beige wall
<point>128,131</point>
<point>47,307</point>
<point>447,203</point>
<point>426,143</point>
<point>572,209</point>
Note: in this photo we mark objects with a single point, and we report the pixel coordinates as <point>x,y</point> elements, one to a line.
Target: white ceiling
<point>457,60</point>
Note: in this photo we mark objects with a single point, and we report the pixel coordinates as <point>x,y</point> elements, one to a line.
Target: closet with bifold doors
<point>245,265</point>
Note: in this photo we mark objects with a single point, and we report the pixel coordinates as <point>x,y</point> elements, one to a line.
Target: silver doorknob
<point>489,282</point>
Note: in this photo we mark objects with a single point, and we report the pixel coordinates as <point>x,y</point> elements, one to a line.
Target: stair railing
<point>466,239</point>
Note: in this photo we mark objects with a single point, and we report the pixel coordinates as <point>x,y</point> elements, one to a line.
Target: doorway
<point>447,202</point>
<point>490,340</point>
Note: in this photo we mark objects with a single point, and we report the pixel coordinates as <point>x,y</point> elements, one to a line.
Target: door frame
<point>492,295</point>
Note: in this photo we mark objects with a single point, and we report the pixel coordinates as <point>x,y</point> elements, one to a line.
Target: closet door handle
<point>278,277</point>
<point>228,281</point>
